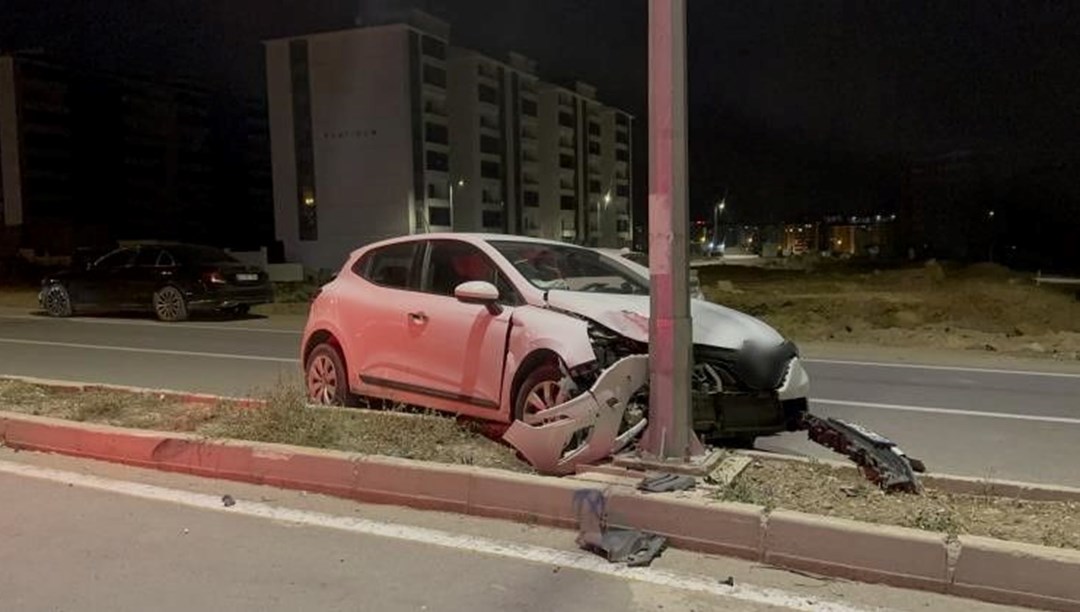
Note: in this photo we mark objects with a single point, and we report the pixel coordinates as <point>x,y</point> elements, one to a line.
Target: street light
<point>605,201</point>
<point>717,211</point>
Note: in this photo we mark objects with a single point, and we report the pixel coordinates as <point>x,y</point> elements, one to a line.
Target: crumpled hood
<point>628,315</point>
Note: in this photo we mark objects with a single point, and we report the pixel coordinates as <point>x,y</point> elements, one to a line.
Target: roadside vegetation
<point>817,488</point>
<point>982,307</point>
<point>285,419</point>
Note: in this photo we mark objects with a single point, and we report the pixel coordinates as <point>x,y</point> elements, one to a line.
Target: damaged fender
<point>598,413</point>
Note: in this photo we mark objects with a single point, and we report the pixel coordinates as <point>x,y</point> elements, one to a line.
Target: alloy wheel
<point>57,301</point>
<point>169,304</point>
<point>322,380</point>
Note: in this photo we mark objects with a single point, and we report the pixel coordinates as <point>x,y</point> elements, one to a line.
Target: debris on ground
<point>228,501</point>
<point>881,460</point>
<point>617,545</point>
<point>663,483</point>
<point>728,470</point>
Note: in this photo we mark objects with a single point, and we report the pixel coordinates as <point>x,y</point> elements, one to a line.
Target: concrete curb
<point>978,568</point>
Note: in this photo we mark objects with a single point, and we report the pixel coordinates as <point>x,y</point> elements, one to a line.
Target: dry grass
<point>821,489</point>
<point>285,419</point>
<point>981,307</point>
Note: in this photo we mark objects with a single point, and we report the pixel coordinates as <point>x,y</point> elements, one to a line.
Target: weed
<point>942,520</point>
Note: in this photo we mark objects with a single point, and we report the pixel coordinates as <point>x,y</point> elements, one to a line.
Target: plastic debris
<point>882,461</point>
<point>667,482</point>
<point>228,501</point>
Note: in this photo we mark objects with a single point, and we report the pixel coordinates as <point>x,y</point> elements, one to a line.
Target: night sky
<point>796,107</point>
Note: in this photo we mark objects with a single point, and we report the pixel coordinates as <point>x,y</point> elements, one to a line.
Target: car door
<point>457,350</point>
<point>372,314</point>
<point>136,282</point>
<point>98,285</point>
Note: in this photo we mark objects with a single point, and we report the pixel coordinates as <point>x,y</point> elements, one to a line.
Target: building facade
<point>89,159</point>
<point>385,130</point>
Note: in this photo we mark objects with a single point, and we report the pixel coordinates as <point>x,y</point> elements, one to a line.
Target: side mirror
<point>479,292</point>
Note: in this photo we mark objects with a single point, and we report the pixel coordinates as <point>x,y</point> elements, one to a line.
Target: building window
<point>492,219</point>
<point>436,133</point>
<point>622,226</point>
<point>594,187</point>
<point>566,119</point>
<point>594,148</point>
<point>303,142</point>
<point>622,155</point>
<point>433,75</point>
<point>437,161</point>
<point>490,169</point>
<point>621,119</point>
<point>433,47</point>
<point>568,202</point>
<point>594,128</point>
<point>622,137</point>
<point>531,199</point>
<point>490,144</point>
<point>488,94</point>
<point>566,161</point>
<point>439,216</point>
<point>528,107</point>
<point>622,190</point>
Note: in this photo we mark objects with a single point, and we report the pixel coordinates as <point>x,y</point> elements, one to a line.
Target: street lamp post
<point>717,211</point>
<point>460,183</point>
<point>605,201</point>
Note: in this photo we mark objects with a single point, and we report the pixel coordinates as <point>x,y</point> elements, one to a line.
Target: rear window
<point>389,266</point>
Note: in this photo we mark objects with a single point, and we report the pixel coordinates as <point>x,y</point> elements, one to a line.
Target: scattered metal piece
<point>882,461</point>
<point>228,501</point>
<point>728,470</point>
<point>730,581</point>
<point>663,483</point>
<point>630,546</point>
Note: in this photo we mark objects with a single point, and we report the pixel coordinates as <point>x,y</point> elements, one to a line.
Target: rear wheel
<point>240,311</point>
<point>57,301</point>
<point>325,377</point>
<point>170,305</point>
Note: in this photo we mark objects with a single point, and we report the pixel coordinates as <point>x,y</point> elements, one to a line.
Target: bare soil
<point>983,307</point>
<point>285,419</point>
<point>817,488</point>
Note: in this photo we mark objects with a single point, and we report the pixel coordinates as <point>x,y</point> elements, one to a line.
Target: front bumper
<point>738,412</point>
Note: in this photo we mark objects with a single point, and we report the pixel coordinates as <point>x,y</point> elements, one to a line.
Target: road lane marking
<point>915,366</point>
<point>133,349</point>
<point>433,537</point>
<point>950,411</point>
<point>243,328</point>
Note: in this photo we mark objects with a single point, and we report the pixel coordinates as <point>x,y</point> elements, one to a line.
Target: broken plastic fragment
<point>667,482</point>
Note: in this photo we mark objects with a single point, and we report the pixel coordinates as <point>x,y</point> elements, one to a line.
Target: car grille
<point>750,368</point>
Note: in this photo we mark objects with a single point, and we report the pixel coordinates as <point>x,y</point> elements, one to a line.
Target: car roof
<point>474,237</point>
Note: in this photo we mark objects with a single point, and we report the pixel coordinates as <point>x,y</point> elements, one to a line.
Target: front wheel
<point>57,301</point>
<point>170,305</point>
<point>539,391</point>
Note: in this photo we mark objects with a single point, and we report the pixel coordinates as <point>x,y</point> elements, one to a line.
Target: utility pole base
<point>700,464</point>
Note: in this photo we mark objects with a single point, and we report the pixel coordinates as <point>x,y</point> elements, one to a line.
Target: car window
<point>571,268</point>
<point>389,266</point>
<point>147,257</point>
<point>166,260</point>
<point>116,259</point>
<point>452,262</point>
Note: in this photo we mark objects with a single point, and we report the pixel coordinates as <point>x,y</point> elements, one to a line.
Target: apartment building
<point>385,129</point>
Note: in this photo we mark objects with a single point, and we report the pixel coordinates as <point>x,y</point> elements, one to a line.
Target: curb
<point>979,568</point>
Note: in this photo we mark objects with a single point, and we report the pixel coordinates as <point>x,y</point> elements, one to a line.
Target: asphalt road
<point>81,535</point>
<point>985,422</point>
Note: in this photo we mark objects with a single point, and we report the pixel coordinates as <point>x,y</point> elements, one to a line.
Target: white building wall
<point>363,141</point>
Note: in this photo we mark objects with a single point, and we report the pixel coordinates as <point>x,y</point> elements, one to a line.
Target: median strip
<point>771,512</point>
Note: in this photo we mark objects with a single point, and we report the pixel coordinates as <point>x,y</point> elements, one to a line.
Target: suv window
<point>452,262</point>
<point>116,259</point>
<point>389,266</point>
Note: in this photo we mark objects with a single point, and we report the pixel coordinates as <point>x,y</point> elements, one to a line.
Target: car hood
<point>714,325</point>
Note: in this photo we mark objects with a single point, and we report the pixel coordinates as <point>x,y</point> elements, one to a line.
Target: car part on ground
<point>664,483</point>
<point>588,427</point>
<point>881,460</point>
<point>617,545</point>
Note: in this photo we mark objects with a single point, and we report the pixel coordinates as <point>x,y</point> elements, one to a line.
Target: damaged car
<point>537,334</point>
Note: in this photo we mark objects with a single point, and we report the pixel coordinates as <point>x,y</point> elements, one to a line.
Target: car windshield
<point>570,268</point>
<point>196,254</point>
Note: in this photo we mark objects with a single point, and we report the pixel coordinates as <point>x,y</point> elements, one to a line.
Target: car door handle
<point>417,317</point>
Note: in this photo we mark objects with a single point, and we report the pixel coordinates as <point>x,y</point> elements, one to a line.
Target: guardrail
<point>1055,280</point>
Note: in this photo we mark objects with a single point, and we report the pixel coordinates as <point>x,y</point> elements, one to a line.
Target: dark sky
<point>795,105</point>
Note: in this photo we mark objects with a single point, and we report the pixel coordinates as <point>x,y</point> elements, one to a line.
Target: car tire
<point>544,377</point>
<point>240,311</point>
<point>170,305</point>
<point>57,301</point>
<point>326,379</point>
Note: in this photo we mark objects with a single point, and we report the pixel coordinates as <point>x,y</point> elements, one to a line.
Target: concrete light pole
<point>669,434</point>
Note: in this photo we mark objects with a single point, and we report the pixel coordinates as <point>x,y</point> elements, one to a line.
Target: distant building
<point>386,130</point>
<point>88,158</point>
